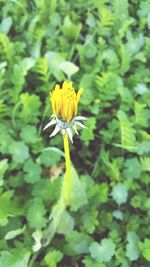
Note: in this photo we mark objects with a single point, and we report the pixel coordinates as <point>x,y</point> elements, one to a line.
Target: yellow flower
<point>65,101</point>
<point>65,106</point>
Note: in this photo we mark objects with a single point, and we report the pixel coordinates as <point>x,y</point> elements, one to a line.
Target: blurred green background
<point>104,47</point>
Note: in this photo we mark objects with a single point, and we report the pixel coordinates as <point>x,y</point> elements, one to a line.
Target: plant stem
<point>60,207</point>
<point>68,169</point>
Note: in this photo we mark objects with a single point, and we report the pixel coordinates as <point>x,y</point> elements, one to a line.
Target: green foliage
<point>102,46</point>
<point>145,248</point>
<point>35,213</point>
<point>102,252</point>
<point>52,258</point>
<point>3,168</point>
<point>19,151</point>
<point>132,250</point>
<point>9,259</point>
<point>120,193</point>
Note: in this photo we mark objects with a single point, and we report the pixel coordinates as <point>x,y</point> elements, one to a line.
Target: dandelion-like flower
<point>65,106</point>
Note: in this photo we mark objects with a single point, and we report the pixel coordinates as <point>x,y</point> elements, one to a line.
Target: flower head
<point>65,106</point>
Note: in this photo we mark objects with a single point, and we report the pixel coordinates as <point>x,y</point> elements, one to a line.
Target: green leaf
<point>145,248</point>
<point>33,171</point>
<point>54,62</point>
<point>118,214</point>
<point>6,25</point>
<point>87,82</point>
<point>47,189</point>
<point>89,262</point>
<point>19,151</point>
<point>66,224</point>
<point>70,29</point>
<point>120,193</point>
<point>12,260</point>
<point>30,107</point>
<point>143,148</point>
<point>128,139</point>
<point>14,233</point>
<point>112,169</point>
<point>77,243</point>
<point>49,157</point>
<point>20,70</point>
<point>37,236</point>
<point>120,7</point>
<point>29,134</point>
<point>132,251</point>
<point>89,221</point>
<point>52,258</point>
<point>3,168</point>
<point>69,68</point>
<point>35,214</point>
<point>106,18</point>
<point>141,88</point>
<point>145,163</point>
<point>102,252</point>
<point>133,169</point>
<point>5,207</point>
<point>103,192</point>
<point>78,194</point>
<point>87,134</point>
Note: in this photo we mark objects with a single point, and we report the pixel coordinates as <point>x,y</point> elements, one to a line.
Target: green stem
<point>68,169</point>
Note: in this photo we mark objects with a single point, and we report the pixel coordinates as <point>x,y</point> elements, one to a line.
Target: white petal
<point>56,130</point>
<point>63,131</point>
<point>52,122</point>
<point>70,134</point>
<point>75,129</point>
<point>80,118</point>
<point>80,124</point>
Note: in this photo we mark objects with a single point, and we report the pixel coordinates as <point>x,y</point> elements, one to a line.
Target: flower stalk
<point>68,169</point>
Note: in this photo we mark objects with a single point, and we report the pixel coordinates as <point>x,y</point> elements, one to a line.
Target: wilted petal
<point>56,130</point>
<point>70,134</point>
<point>52,122</point>
<point>80,124</point>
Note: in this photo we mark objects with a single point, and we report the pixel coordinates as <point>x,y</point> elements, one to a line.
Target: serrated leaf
<point>29,134</point>
<point>128,139</point>
<point>35,214</point>
<point>52,258</point>
<point>30,107</point>
<point>32,170</point>
<point>102,252</point>
<point>70,29</point>
<point>120,193</point>
<point>145,248</point>
<point>19,151</point>
<point>133,168</point>
<point>145,163</point>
